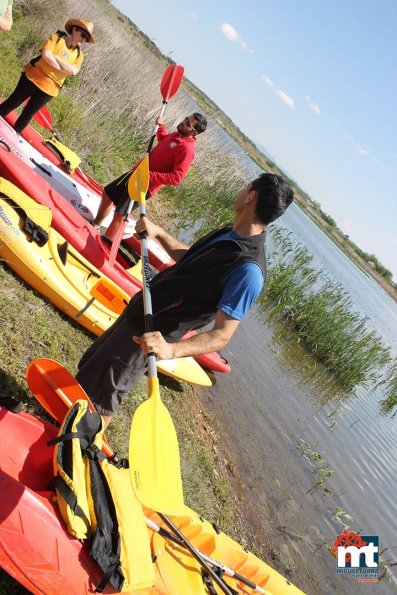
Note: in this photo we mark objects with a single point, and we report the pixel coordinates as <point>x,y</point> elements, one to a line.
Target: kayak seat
<point>136,271</point>
<point>63,252</point>
<point>122,257</point>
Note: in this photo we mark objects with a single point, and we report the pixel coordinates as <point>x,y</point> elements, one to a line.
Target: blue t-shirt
<point>241,286</point>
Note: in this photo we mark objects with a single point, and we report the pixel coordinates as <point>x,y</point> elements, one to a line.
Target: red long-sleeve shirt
<point>170,159</point>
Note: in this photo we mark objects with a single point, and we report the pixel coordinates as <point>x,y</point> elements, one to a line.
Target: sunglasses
<point>188,123</point>
<point>84,34</point>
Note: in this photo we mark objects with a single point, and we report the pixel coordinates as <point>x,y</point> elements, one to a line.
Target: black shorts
<point>117,191</point>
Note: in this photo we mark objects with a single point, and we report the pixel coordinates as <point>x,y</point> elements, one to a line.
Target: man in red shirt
<point>169,163</point>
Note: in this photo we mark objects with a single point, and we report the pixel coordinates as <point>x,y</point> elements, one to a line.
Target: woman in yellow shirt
<point>43,77</point>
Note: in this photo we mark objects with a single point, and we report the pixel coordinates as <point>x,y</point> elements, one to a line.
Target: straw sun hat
<point>88,27</point>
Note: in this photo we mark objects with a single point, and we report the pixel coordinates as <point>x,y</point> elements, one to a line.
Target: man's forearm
<point>217,338</point>
<point>174,247</point>
<point>207,342</point>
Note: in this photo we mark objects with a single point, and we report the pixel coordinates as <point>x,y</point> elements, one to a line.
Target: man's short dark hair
<point>201,122</point>
<point>274,197</point>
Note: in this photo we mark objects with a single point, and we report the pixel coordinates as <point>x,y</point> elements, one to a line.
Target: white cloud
<point>286,98</point>
<point>193,15</point>
<point>313,105</point>
<point>281,94</point>
<point>267,80</point>
<point>362,149</point>
<point>231,34</point>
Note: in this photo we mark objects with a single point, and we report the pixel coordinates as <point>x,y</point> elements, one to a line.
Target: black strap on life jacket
<point>105,543</point>
<point>57,483</point>
<point>34,231</point>
<point>10,403</point>
<point>59,154</point>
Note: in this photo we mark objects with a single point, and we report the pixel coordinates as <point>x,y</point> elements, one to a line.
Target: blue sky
<point>314,82</point>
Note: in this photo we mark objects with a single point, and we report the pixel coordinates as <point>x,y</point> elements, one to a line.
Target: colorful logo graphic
<point>357,555</point>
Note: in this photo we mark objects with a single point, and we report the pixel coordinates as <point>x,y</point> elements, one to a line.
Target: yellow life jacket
<point>69,158</point>
<point>94,498</point>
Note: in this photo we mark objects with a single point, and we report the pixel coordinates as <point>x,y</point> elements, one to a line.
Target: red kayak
<point>35,547</point>
<point>38,142</point>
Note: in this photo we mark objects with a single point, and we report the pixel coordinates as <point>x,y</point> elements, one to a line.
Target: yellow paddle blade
<point>138,183</point>
<point>110,295</point>
<point>154,455</point>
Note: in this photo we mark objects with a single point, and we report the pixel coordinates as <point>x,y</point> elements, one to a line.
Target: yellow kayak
<point>179,572</point>
<point>45,261</point>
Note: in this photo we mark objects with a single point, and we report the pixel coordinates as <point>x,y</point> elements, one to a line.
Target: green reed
<point>321,314</point>
<point>389,404</point>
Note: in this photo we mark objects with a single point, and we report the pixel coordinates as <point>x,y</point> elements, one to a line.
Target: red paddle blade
<point>56,390</point>
<point>53,386</point>
<point>43,118</point>
<point>171,81</point>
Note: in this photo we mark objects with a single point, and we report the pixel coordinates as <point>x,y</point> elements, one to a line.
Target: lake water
<point>276,398</point>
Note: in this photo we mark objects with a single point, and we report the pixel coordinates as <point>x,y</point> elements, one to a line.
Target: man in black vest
<point>215,280</point>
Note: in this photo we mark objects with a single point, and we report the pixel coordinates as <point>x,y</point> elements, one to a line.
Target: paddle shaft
<point>147,298</point>
<point>196,554</point>
<point>153,138</point>
<point>169,86</point>
<point>152,372</point>
<point>150,146</point>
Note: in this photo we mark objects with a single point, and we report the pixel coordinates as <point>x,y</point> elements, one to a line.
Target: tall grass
<point>389,404</point>
<point>321,313</point>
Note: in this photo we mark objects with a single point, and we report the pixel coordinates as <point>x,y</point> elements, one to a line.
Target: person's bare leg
<point>106,419</point>
<point>115,225</point>
<point>104,209</point>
